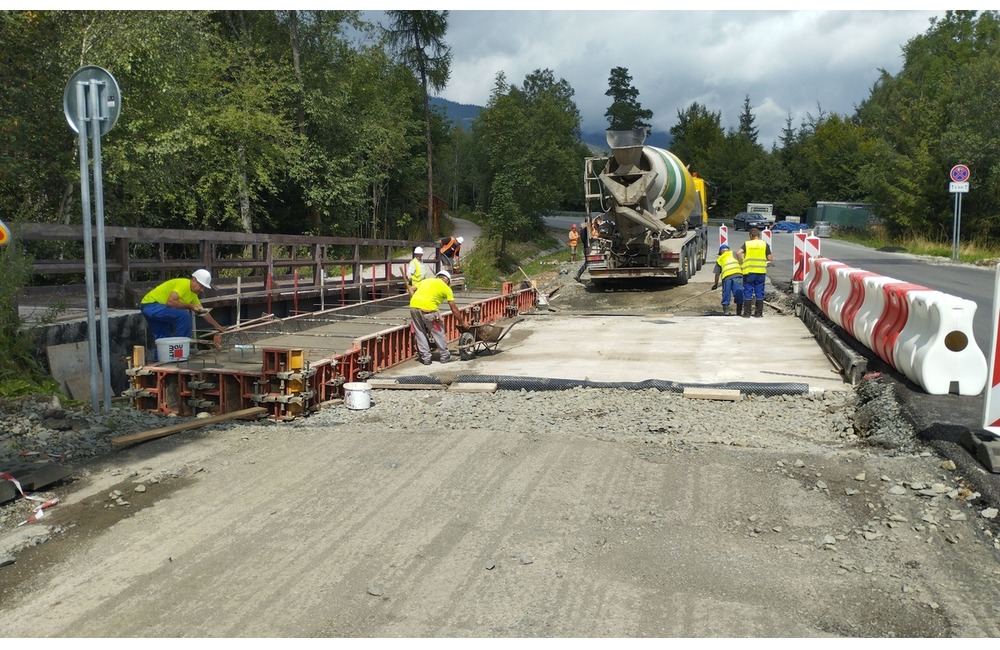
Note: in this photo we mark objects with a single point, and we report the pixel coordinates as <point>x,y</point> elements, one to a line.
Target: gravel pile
<point>42,428</point>
<point>616,414</point>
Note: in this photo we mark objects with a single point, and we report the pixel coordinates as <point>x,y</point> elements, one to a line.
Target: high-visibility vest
<point>729,264</point>
<point>450,244</point>
<point>755,260</point>
<point>416,271</point>
<point>431,293</point>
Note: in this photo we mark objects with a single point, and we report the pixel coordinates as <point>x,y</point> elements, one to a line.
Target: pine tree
<point>418,37</point>
<point>625,112</point>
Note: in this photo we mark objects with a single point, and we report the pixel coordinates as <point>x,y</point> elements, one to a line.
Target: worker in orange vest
<point>574,239</point>
<point>448,251</point>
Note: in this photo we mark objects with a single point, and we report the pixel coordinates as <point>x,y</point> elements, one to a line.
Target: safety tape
<point>54,456</point>
<point>40,510</point>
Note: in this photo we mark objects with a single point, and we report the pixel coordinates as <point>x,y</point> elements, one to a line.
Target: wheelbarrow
<point>481,338</point>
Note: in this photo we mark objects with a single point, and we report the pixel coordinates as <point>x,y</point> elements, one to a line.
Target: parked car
<point>748,220</point>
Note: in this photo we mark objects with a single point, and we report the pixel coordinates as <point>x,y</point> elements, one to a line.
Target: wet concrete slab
<point>697,350</point>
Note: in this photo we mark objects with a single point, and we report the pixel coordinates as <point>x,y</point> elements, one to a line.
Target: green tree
<point>418,37</point>
<point>747,122</point>
<point>742,172</point>
<point>625,112</point>
<point>833,153</point>
<point>529,141</point>
<point>906,116</point>
<point>696,136</point>
<point>364,157</point>
<point>791,192</point>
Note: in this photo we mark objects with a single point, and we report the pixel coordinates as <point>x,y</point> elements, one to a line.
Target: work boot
<point>747,308</point>
<point>739,309</point>
<point>760,309</point>
<point>725,310</point>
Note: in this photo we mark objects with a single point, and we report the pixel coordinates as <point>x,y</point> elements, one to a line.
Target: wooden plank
<point>713,393</point>
<point>185,426</point>
<point>473,387</point>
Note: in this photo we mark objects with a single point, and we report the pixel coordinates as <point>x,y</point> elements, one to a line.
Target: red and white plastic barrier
<point>805,248</point>
<point>843,291</point>
<point>849,311</point>
<point>723,235</point>
<point>944,350</point>
<point>871,308</point>
<point>924,334</point>
<point>991,405</point>
<point>798,257</point>
<point>765,235</point>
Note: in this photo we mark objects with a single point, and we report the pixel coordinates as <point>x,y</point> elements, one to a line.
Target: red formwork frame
<point>288,385</point>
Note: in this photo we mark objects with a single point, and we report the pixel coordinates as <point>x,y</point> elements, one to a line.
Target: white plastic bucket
<point>173,348</point>
<point>357,395</point>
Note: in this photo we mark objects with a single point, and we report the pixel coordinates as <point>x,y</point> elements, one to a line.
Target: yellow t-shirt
<point>162,292</point>
<point>430,293</point>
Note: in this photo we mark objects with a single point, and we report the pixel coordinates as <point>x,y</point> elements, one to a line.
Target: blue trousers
<point>732,286</point>
<point>753,286</point>
<point>166,321</point>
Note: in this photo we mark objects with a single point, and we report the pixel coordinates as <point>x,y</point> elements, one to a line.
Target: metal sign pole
<point>88,242</point>
<point>97,116</point>
<point>959,176</point>
<point>954,228</point>
<point>92,94</point>
<point>958,222</point>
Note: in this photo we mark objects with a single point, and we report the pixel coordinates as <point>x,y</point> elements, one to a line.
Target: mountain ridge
<point>465,114</point>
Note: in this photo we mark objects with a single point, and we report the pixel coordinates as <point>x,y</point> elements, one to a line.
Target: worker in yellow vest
<point>728,269</point>
<point>754,256</point>
<point>414,270</point>
<point>427,322</point>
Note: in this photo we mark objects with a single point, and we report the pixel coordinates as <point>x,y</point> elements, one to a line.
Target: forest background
<point>317,123</point>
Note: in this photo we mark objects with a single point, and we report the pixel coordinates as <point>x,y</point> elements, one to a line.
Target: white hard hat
<point>418,251</point>
<point>203,277</point>
<point>461,240</point>
<point>444,274</point>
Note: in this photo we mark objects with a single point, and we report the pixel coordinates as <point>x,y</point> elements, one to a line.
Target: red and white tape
<point>42,507</point>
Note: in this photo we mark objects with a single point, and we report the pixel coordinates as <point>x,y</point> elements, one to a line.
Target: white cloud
<point>788,62</point>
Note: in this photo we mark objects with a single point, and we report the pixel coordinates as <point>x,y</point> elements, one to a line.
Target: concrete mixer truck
<point>652,220</point>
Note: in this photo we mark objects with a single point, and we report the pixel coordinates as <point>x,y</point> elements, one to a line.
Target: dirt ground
<point>354,529</point>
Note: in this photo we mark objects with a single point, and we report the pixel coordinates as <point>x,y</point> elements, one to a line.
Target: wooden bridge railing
<point>138,258</point>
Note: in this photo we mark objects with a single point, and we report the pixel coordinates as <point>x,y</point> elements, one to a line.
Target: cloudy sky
<point>788,62</point>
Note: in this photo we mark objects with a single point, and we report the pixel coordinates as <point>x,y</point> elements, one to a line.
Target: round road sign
<point>4,233</point>
<point>109,101</point>
<point>960,174</point>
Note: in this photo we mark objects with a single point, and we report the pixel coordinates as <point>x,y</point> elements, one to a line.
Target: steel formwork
<point>291,366</point>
